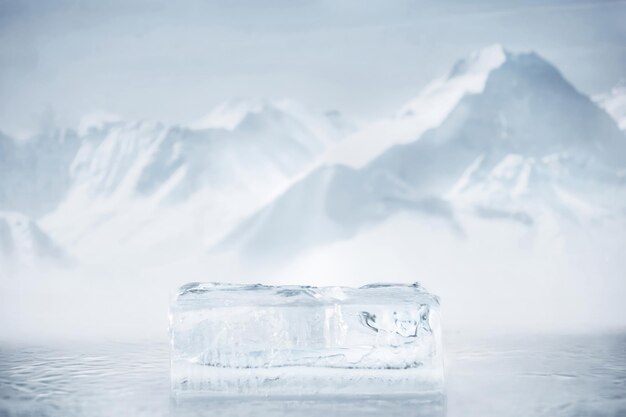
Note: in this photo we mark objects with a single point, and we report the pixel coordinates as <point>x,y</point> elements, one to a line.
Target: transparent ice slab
<point>257,340</point>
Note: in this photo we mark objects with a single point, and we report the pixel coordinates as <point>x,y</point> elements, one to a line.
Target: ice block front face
<point>300,341</point>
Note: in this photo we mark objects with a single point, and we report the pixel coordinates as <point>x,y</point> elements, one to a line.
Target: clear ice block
<point>255,340</point>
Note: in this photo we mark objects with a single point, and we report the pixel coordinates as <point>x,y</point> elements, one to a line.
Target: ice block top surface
<point>212,294</point>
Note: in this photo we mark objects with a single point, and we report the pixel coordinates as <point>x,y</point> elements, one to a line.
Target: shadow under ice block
<point>380,339</point>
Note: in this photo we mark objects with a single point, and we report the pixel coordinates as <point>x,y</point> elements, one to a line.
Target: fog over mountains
<point>504,136</point>
<point>501,158</point>
<point>614,102</point>
<point>113,182</point>
<point>526,143</point>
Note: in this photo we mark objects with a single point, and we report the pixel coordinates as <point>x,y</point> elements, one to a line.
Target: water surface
<point>499,376</point>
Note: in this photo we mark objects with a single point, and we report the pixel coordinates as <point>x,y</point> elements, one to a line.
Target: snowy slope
<point>182,188</point>
<point>614,102</point>
<point>525,143</point>
<point>426,111</point>
<point>115,187</point>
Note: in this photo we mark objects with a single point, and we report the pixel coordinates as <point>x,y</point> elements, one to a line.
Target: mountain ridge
<point>502,135</point>
<point>85,185</point>
<point>527,115</point>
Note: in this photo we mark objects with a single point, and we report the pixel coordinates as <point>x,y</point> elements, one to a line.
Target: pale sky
<point>173,61</point>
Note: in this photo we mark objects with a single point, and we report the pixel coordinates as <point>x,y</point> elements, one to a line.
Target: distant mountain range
<point>523,142</point>
<point>504,136</point>
<point>112,183</point>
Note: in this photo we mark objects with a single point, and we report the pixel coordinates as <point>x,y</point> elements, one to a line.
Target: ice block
<point>286,341</point>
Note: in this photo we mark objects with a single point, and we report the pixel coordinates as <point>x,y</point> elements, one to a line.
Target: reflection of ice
<point>427,406</point>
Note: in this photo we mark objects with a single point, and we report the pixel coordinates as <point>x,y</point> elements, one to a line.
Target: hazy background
<point>478,148</point>
<point>172,62</point>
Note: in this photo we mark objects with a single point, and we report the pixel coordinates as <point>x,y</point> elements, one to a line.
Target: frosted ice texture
<point>298,341</point>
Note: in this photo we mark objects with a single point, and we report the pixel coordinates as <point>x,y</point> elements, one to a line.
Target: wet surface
<point>505,376</point>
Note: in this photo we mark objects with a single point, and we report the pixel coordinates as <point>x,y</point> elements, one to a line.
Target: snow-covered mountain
<point>121,185</point>
<point>498,176</point>
<point>426,111</point>
<point>503,137</point>
<point>520,141</point>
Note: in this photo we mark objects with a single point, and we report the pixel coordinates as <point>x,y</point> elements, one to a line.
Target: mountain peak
<point>507,129</point>
<point>96,120</point>
<point>229,114</point>
<point>479,62</point>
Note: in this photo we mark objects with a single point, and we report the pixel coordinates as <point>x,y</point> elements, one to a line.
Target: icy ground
<point>583,375</point>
